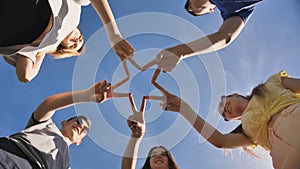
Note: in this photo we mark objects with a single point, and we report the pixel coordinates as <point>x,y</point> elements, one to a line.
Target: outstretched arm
<point>26,70</point>
<point>136,123</point>
<point>167,59</point>
<point>122,48</point>
<point>209,132</point>
<point>99,93</point>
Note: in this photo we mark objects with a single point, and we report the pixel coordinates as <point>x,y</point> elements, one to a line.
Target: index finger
<point>132,103</point>
<point>153,81</point>
<point>143,105</point>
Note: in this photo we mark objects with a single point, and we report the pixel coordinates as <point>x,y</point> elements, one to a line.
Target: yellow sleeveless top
<point>260,109</point>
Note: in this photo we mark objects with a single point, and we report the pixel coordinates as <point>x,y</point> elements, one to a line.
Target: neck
<point>67,140</point>
<point>244,104</point>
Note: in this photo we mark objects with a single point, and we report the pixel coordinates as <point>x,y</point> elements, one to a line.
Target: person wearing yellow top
<point>270,117</point>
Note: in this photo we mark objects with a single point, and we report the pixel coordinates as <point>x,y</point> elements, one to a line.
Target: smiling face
<point>159,159</point>
<point>74,40</point>
<point>233,106</point>
<point>75,129</point>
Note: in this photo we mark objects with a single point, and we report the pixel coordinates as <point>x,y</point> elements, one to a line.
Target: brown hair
<point>172,163</point>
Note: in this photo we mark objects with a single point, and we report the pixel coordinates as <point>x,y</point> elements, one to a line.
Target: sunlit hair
<point>172,163</point>
<point>63,52</point>
<point>84,118</point>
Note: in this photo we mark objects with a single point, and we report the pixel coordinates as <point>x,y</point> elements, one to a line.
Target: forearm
<point>228,31</point>
<point>59,101</point>
<point>210,133</point>
<point>104,11</point>
<point>130,155</point>
<point>203,45</point>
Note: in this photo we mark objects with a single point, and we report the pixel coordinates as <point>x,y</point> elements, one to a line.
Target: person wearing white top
<point>34,28</point>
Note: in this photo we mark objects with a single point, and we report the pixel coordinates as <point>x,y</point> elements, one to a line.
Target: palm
<point>136,121</point>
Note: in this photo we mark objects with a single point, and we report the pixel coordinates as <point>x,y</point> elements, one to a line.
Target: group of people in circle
<point>33,28</point>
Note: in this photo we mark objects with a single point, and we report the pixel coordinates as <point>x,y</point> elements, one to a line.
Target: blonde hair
<point>63,52</point>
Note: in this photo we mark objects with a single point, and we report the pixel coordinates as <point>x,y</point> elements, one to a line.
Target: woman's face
<point>234,107</point>
<point>74,40</point>
<point>159,159</point>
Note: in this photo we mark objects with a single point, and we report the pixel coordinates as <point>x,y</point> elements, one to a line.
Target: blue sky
<point>269,43</point>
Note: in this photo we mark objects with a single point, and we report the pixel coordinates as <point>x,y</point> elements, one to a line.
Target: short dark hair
<point>83,117</point>
<point>186,7</point>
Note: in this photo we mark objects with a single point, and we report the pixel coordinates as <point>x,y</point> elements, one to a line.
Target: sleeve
<point>276,78</point>
<point>245,14</point>
<point>31,55</point>
<point>82,2</point>
<point>32,121</point>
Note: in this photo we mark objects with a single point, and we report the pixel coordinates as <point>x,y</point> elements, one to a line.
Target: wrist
<point>81,96</point>
<point>115,38</point>
<point>185,108</point>
<point>181,50</point>
<point>137,136</point>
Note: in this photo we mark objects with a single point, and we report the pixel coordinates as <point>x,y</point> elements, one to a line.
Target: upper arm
<point>234,140</point>
<point>291,83</point>
<point>23,67</point>
<point>231,28</point>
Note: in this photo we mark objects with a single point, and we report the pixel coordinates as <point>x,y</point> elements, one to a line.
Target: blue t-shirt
<point>229,8</point>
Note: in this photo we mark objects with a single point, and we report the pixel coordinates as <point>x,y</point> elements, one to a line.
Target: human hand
<point>123,49</point>
<point>171,102</point>
<point>167,59</point>
<point>100,91</point>
<point>136,121</point>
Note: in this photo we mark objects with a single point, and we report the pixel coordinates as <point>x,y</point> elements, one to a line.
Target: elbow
<point>218,145</point>
<point>223,39</point>
<point>228,38</point>
<point>24,78</point>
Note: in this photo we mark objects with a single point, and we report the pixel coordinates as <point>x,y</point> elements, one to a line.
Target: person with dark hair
<point>235,14</point>
<point>158,157</point>
<point>32,28</point>
<point>41,144</point>
<point>269,118</point>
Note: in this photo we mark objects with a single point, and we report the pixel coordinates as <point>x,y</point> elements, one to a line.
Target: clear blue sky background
<point>268,44</point>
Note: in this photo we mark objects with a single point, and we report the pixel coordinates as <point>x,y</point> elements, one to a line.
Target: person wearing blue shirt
<point>235,14</point>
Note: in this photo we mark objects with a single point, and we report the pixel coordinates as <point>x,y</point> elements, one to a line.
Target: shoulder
<point>276,78</point>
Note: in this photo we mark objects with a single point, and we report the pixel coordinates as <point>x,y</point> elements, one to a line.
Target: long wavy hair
<point>172,163</point>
